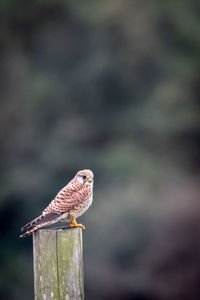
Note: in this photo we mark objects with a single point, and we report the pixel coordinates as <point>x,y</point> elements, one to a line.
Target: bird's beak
<point>89,179</point>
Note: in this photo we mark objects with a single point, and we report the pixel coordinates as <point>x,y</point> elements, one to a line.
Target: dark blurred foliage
<point>113,86</point>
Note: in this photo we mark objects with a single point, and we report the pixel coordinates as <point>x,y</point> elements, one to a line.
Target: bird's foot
<point>74,224</point>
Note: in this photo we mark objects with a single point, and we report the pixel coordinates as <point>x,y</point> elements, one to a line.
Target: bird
<point>70,203</point>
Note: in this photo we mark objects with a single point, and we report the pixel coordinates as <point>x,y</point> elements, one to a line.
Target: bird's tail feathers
<point>39,222</point>
<point>28,232</point>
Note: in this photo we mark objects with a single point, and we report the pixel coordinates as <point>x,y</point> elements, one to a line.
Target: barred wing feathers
<point>68,198</point>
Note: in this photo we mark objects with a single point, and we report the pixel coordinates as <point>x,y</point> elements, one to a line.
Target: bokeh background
<point>113,86</point>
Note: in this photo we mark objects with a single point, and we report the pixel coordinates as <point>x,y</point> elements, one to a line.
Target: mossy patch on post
<point>58,264</point>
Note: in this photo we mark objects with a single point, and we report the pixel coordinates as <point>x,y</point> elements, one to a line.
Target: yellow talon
<point>74,224</point>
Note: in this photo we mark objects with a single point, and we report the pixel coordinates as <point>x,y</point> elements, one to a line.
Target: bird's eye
<point>84,177</point>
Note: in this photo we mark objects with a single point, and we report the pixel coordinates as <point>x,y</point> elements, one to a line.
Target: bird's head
<point>85,177</point>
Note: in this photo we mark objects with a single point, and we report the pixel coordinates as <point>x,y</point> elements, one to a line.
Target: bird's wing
<point>70,196</point>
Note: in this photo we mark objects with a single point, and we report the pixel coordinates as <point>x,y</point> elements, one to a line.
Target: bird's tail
<point>28,232</point>
<point>43,220</point>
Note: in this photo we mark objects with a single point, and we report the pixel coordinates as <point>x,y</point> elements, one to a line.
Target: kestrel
<point>70,203</point>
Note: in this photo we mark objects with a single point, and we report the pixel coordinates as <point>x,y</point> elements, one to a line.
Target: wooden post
<point>58,264</point>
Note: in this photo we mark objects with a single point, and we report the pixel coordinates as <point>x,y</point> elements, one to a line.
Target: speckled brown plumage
<point>70,203</point>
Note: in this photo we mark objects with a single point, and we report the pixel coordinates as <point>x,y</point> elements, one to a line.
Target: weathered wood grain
<point>58,264</point>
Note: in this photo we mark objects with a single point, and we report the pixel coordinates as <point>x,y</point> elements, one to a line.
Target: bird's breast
<point>80,208</point>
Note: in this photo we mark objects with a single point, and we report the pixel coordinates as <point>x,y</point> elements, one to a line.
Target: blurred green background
<point>112,86</point>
